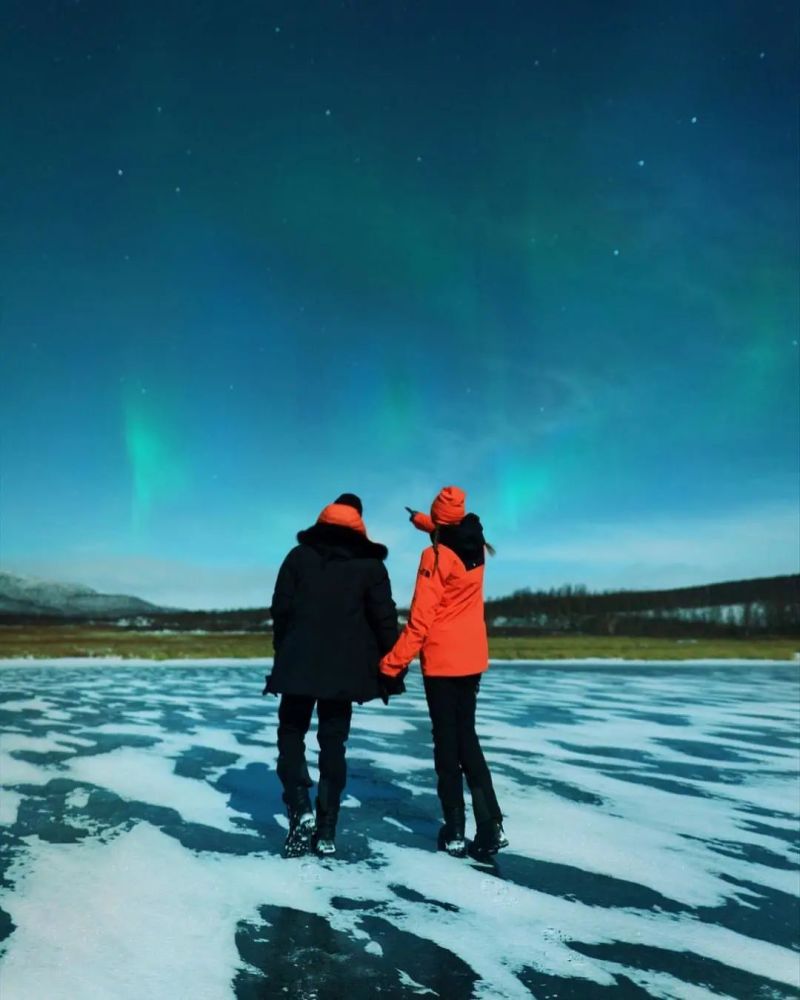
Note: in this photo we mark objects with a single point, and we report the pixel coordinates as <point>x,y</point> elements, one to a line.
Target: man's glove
<point>391,686</point>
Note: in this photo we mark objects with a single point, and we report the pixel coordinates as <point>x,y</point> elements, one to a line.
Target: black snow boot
<point>327,815</point>
<point>301,822</point>
<point>489,839</point>
<point>451,835</point>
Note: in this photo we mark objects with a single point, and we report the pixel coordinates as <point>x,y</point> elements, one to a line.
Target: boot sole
<point>478,849</point>
<point>480,853</point>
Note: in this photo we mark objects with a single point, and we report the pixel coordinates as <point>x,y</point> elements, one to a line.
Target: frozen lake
<point>652,814</point>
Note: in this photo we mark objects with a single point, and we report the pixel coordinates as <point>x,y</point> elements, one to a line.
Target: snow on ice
<point>652,814</point>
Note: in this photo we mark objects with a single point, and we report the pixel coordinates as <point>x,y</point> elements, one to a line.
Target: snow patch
<point>9,806</point>
<point>142,776</point>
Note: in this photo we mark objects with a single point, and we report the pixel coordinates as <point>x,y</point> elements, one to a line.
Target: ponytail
<point>435,540</point>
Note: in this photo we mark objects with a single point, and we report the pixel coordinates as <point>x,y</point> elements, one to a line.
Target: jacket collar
<point>338,541</point>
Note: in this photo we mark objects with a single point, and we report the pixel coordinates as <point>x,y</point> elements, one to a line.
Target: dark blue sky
<point>255,254</point>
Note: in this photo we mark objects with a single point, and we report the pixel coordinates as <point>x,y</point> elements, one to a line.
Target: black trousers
<point>456,748</point>
<point>294,720</point>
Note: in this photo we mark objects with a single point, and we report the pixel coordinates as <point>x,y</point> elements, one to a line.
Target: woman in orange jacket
<point>446,628</point>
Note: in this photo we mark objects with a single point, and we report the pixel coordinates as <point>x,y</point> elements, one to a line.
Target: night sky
<point>254,254</point>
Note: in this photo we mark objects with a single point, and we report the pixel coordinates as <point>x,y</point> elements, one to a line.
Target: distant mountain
<point>26,596</point>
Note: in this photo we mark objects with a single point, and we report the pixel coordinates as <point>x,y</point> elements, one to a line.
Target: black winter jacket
<point>333,616</point>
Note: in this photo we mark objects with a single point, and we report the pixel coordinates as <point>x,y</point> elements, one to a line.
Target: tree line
<point>767,605</point>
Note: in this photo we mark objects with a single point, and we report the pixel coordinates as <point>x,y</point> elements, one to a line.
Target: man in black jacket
<point>333,618</point>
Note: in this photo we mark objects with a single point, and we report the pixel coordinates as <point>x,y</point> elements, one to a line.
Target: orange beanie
<point>449,506</point>
<point>344,515</point>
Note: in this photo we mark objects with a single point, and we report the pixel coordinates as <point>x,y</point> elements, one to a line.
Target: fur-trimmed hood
<point>338,542</point>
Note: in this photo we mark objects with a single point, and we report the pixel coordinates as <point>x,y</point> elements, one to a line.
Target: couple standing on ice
<point>336,641</point>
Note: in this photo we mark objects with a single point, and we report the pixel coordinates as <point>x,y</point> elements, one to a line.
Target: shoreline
<point>234,661</point>
<point>77,642</point>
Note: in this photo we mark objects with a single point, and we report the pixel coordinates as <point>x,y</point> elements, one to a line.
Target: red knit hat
<point>449,506</point>
<point>344,515</point>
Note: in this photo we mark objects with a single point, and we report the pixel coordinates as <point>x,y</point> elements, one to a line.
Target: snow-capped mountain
<point>29,596</point>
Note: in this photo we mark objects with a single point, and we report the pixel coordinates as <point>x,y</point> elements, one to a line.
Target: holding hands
<point>391,686</point>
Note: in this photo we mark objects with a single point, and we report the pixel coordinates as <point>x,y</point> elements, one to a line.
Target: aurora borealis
<point>256,254</point>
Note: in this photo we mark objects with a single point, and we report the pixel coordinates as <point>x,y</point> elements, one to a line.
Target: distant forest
<point>766,606</point>
<point>769,605</point>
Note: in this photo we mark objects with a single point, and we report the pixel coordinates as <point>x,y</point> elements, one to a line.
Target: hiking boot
<point>327,815</point>
<point>301,833</point>
<point>325,836</point>
<point>324,846</point>
<point>301,823</point>
<point>451,835</point>
<point>489,838</point>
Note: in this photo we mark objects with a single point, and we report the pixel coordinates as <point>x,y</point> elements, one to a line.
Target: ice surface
<point>49,743</point>
<point>652,816</point>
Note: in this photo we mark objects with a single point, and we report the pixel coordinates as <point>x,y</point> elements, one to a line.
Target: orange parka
<point>446,625</point>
